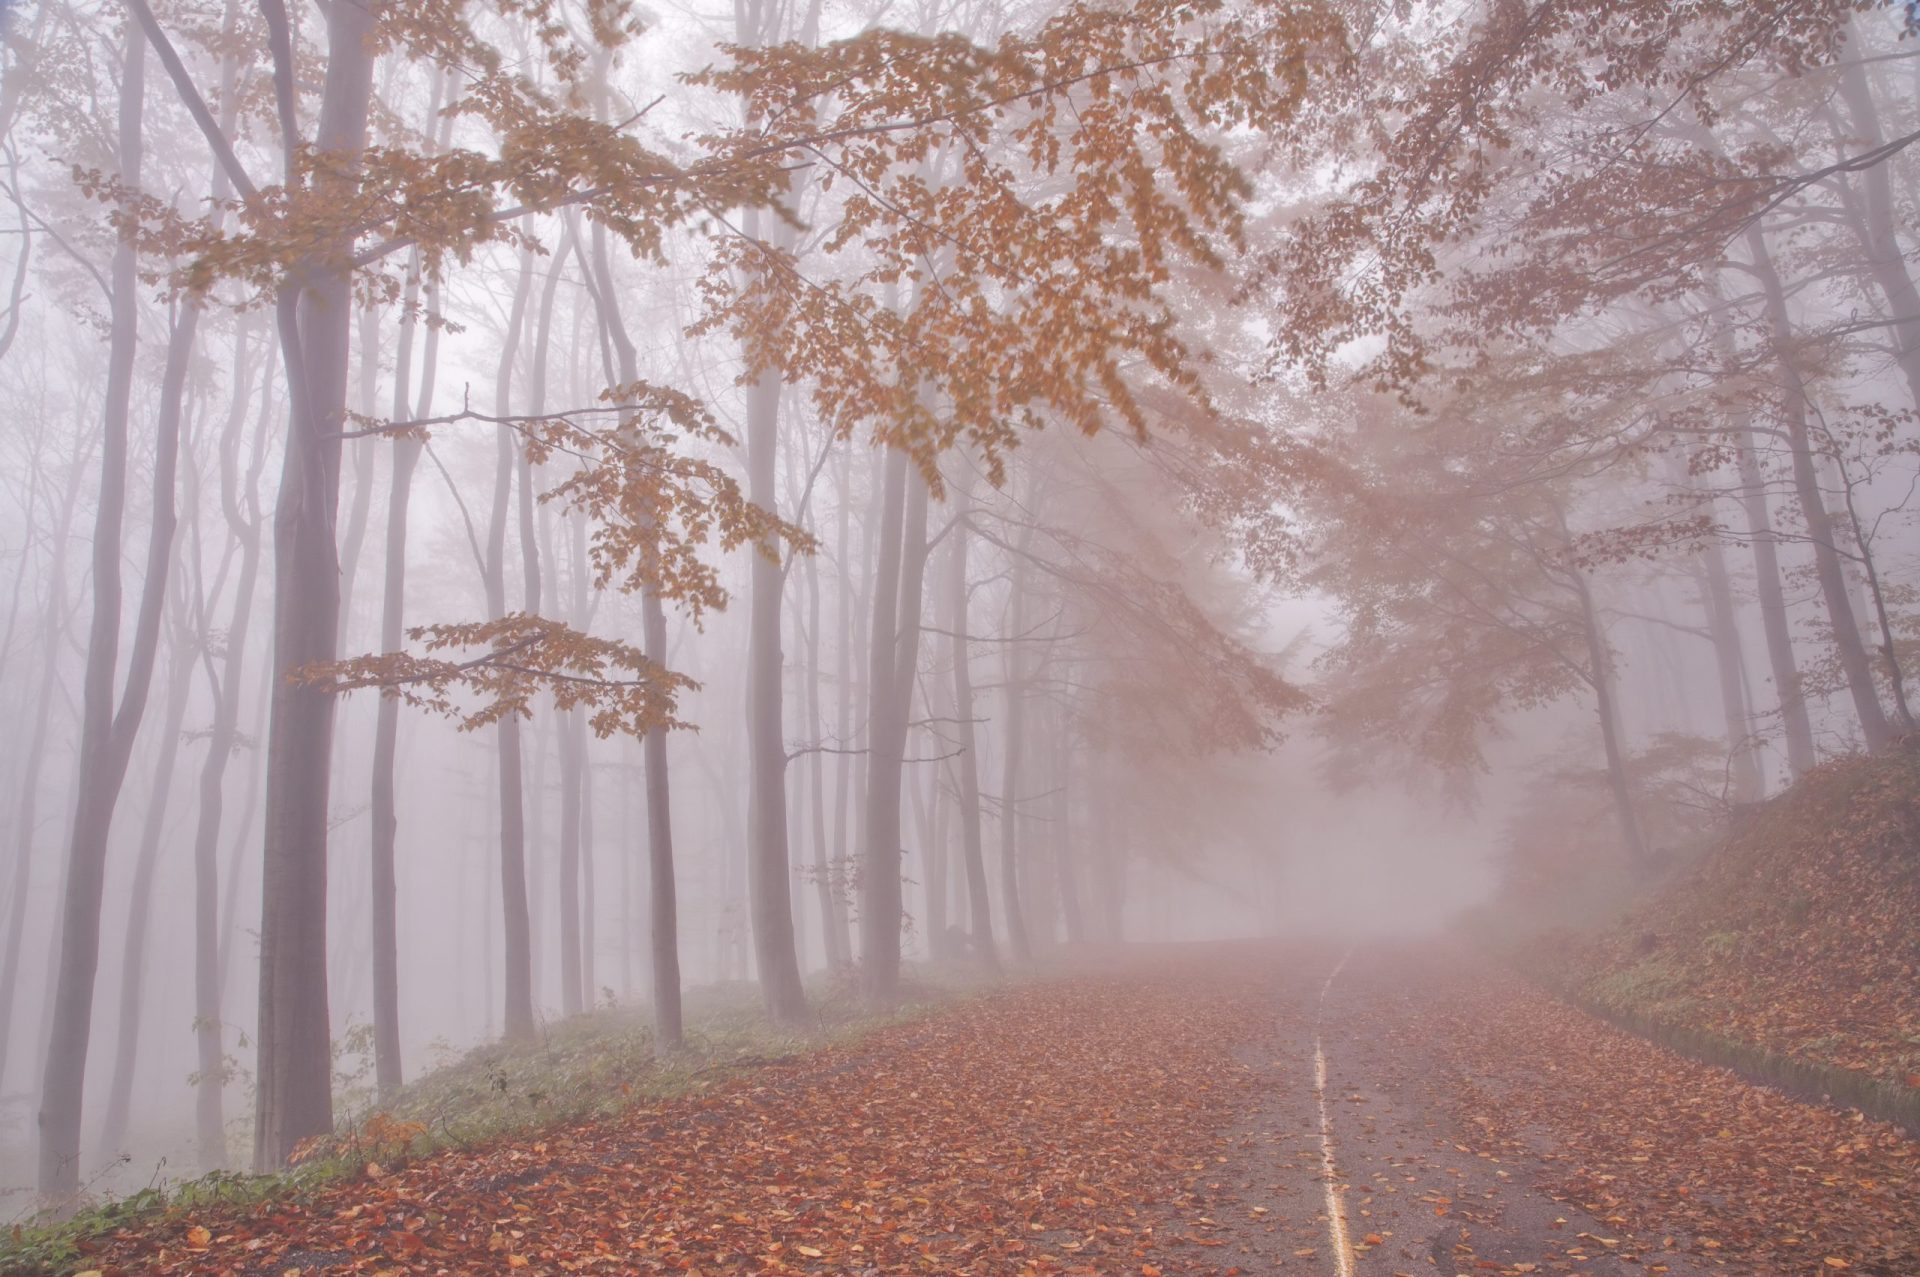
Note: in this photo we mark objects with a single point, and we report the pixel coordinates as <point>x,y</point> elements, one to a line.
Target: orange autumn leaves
<point>1050,1129</point>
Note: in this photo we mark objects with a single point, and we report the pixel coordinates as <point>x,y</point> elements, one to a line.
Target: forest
<point>1061,591</point>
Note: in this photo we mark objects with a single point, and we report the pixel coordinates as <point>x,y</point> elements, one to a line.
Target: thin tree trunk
<point>931,815</point>
<point>1848,645</point>
<point>979,897</point>
<point>582,760</point>
<point>840,943</point>
<point>571,746</point>
<point>1011,734</point>
<point>663,907</point>
<point>133,953</point>
<point>1749,784</point>
<point>244,525</point>
<point>1877,224</point>
<point>768,885</point>
<point>107,732</point>
<point>518,931</point>
<point>1600,676</point>
<point>26,812</point>
<point>354,535</point>
<point>1063,865</point>
<point>1770,596</point>
<point>588,974</point>
<point>833,926</point>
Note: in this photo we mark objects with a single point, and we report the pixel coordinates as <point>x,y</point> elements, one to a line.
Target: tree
<point>108,724</point>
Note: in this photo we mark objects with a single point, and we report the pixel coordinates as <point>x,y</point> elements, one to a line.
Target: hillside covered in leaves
<point>1793,934</point>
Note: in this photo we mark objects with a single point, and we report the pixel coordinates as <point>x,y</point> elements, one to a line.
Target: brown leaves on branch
<point>653,507</point>
<point>1529,164</point>
<point>1022,208</point>
<point>654,504</point>
<point>514,660</point>
<point>1034,197</point>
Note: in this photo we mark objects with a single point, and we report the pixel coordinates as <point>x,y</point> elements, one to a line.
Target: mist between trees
<point>510,508</point>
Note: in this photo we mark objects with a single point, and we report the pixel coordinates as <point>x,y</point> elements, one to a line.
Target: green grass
<point>596,1064</point>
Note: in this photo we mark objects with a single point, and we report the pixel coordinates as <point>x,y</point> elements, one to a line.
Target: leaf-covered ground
<point>1797,934</point>
<point>1672,1157</point>
<point>1047,1128</point>
<point>1159,1120</point>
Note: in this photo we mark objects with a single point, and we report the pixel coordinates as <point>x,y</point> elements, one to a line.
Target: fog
<point>823,504</point>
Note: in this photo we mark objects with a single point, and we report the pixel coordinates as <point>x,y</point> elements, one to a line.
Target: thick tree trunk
<point>1831,573</point>
<point>967,764</point>
<point>294,1100</point>
<point>880,853</point>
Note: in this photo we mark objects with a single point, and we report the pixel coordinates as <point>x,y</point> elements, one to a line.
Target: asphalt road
<point>1374,1173</point>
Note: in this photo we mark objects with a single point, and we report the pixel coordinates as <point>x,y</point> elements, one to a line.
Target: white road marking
<point>1336,1213</point>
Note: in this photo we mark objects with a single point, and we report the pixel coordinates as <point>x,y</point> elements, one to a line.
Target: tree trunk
<point>353,536</point>
<point>1063,839</point>
<point>1770,595</point>
<point>1600,676</point>
<point>768,885</point>
<point>222,740</point>
<point>106,732</point>
<point>967,764</point>
<point>840,942</point>
<point>1848,645</point>
<point>880,852</point>
<point>1012,731</point>
<point>1749,783</point>
<point>572,744</point>
<point>385,816</point>
<point>663,916</point>
<point>930,818</point>
<point>26,812</point>
<point>833,923</point>
<point>518,930</point>
<point>1877,225</point>
<point>294,1100</point>
<point>133,953</point>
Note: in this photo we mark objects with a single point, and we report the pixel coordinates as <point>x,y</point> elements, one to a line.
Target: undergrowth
<point>591,1065</point>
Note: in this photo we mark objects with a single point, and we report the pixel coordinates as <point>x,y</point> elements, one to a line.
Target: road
<point>1425,1112</point>
<point>1218,1111</point>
